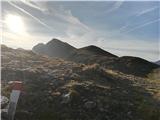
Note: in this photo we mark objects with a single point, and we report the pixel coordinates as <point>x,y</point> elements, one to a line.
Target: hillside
<point>63,90</point>
<point>133,65</point>
<point>93,54</point>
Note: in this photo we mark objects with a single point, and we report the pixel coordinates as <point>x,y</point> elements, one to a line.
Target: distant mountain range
<point>93,54</point>
<point>158,62</point>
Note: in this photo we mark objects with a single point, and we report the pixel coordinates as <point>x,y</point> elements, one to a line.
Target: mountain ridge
<point>96,50</point>
<point>158,62</point>
<point>93,54</point>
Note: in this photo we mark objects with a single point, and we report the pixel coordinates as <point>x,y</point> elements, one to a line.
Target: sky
<point>124,28</point>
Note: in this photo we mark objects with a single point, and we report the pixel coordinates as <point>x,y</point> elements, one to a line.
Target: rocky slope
<point>63,90</point>
<point>93,54</point>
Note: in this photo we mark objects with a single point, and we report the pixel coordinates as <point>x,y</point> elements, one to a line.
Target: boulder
<point>90,105</point>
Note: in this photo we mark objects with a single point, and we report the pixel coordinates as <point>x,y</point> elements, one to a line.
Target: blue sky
<point>120,27</point>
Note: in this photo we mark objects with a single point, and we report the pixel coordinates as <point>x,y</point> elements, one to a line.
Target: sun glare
<point>15,23</point>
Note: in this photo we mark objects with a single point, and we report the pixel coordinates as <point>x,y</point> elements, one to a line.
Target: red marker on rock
<point>16,87</point>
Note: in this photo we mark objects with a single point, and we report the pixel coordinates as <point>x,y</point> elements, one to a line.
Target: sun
<point>15,23</point>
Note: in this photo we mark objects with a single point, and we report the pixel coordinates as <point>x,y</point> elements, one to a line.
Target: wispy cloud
<point>67,16</point>
<point>132,47</point>
<point>143,25</point>
<point>124,27</point>
<point>115,6</point>
<point>31,4</point>
<point>2,21</point>
<point>27,42</point>
<point>35,18</point>
<point>63,14</point>
<point>74,31</point>
<point>135,17</point>
<point>146,11</point>
<point>135,50</point>
<point>74,27</point>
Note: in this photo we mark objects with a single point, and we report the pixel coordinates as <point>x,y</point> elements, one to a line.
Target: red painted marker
<point>16,90</point>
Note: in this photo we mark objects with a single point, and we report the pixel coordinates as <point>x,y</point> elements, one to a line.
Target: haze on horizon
<point>120,27</point>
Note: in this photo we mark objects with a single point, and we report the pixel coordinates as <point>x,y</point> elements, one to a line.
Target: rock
<point>107,118</point>
<point>90,105</point>
<point>75,76</point>
<point>4,101</point>
<point>4,114</point>
<point>56,94</point>
<point>23,114</point>
<point>65,98</point>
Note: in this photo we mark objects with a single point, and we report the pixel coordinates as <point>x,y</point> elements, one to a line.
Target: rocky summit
<point>63,89</point>
<point>55,48</point>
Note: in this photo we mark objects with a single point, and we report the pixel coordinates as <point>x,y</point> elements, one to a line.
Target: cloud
<point>60,12</point>
<point>146,11</point>
<point>124,27</point>
<point>23,41</point>
<point>75,29</point>
<point>131,47</point>
<point>143,25</point>
<point>66,16</point>
<point>32,4</point>
<point>73,20</point>
<point>135,17</point>
<point>145,55</point>
<point>35,18</point>
<point>60,16</point>
<point>115,6</point>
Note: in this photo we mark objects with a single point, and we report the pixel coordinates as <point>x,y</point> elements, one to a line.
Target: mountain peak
<point>54,40</point>
<point>97,51</point>
<point>54,48</point>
